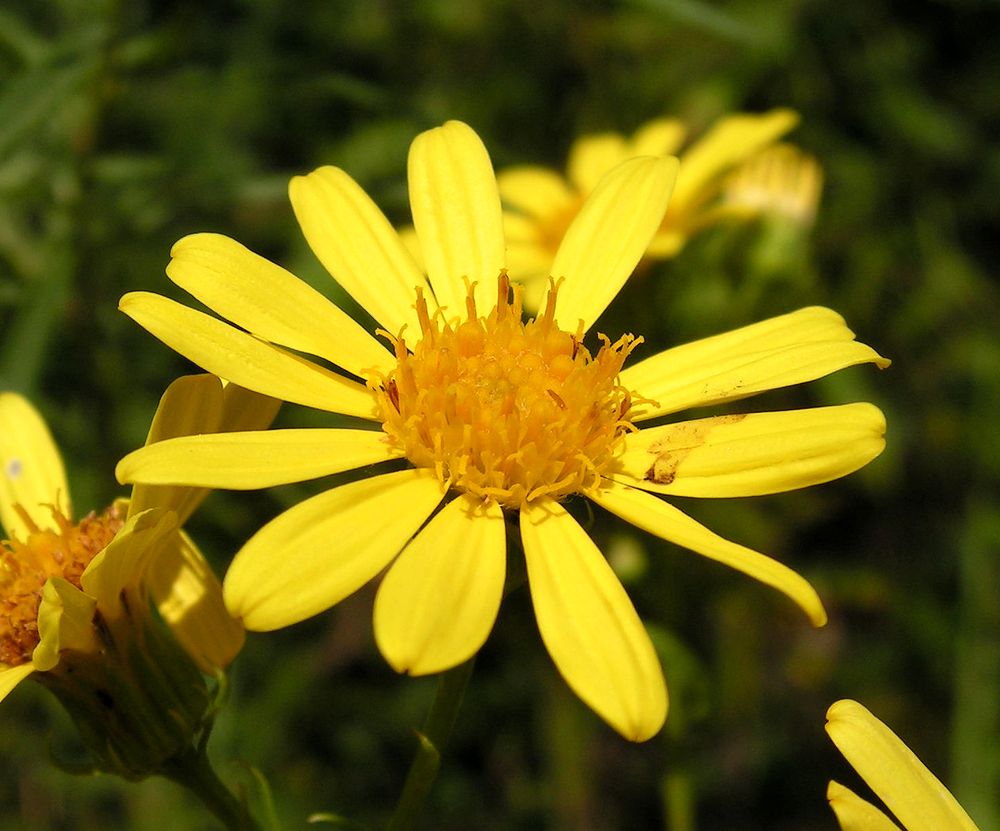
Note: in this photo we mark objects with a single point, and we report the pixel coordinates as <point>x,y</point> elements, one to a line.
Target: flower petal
<point>65,621</point>
<point>121,565</point>
<point>255,459</point>
<point>592,156</point>
<point>659,137</point>
<point>729,142</point>
<point>188,596</point>
<point>10,677</point>
<point>321,550</point>
<point>608,237</point>
<point>589,625</point>
<point>191,404</point>
<point>537,192</point>
<point>437,604</point>
<point>752,454</point>
<point>230,353</point>
<point>456,212</point>
<point>358,246</point>
<point>32,473</point>
<point>244,409</point>
<point>789,349</point>
<point>854,813</point>
<point>663,520</point>
<point>914,794</point>
<point>271,303</point>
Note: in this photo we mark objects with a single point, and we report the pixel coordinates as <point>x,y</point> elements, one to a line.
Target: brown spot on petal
<point>686,436</point>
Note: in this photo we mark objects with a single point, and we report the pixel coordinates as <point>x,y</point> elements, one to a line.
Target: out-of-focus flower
<point>496,415</point>
<point>780,181</point>
<point>540,204</point>
<point>76,595</point>
<point>913,794</point>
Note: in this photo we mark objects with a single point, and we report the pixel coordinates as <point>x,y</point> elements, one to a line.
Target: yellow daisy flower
<point>915,796</point>
<point>507,417</point>
<point>541,204</point>
<point>74,593</point>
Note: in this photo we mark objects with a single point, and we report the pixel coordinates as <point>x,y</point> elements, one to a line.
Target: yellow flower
<point>541,204</point>
<point>780,181</point>
<point>914,795</point>
<point>63,581</point>
<point>509,417</point>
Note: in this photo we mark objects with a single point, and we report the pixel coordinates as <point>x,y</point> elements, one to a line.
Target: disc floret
<point>506,409</point>
<point>63,551</point>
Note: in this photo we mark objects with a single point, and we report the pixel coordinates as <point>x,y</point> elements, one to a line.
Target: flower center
<point>26,565</point>
<point>504,409</point>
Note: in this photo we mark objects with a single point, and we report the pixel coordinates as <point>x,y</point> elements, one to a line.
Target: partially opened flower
<point>913,794</point>
<point>780,181</point>
<point>540,203</point>
<point>495,415</point>
<point>76,595</point>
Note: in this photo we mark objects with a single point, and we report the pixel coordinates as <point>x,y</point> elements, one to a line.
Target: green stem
<point>437,728</point>
<point>194,772</point>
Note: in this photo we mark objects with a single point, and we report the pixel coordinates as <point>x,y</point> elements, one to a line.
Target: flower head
<point>914,795</point>
<point>495,415</point>
<point>75,595</point>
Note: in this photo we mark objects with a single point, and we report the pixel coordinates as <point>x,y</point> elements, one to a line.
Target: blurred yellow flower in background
<point>506,417</point>
<point>76,594</point>
<point>912,793</point>
<point>717,180</point>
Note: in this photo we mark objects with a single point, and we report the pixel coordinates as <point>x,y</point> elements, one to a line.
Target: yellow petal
<point>191,404</point>
<point>749,455</point>
<point>65,621</point>
<point>188,596</point>
<point>230,353</point>
<point>660,137</point>
<point>10,677</point>
<point>914,794</point>
<point>122,564</point>
<point>255,459</point>
<point>271,303</point>
<point>325,548</point>
<point>437,604</point>
<point>456,212</point>
<point>538,192</point>
<point>607,238</point>
<point>589,625</point>
<point>244,409</point>
<point>854,813</point>
<point>789,349</point>
<point>358,246</point>
<point>652,514</point>
<point>31,470</point>
<point>592,156</point>
<point>729,142</point>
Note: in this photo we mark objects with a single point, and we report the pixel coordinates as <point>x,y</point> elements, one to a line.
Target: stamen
<point>506,409</point>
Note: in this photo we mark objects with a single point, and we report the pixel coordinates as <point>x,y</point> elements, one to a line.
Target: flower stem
<point>436,730</point>
<point>193,771</point>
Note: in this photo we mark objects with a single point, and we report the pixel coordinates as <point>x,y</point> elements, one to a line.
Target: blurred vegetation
<point>124,126</point>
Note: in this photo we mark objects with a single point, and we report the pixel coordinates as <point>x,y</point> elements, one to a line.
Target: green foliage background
<point>124,126</point>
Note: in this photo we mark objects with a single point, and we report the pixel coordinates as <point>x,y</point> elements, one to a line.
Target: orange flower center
<point>25,566</point>
<point>504,409</point>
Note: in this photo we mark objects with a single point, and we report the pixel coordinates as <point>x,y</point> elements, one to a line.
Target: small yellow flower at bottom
<point>506,417</point>
<point>911,792</point>
<point>75,597</point>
